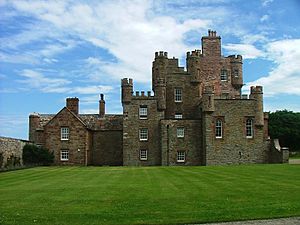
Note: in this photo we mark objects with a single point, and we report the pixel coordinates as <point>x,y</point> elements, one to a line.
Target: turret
<point>192,65</point>
<point>236,63</point>
<point>101,106</point>
<point>127,90</point>
<point>208,102</point>
<point>257,94</point>
<point>73,105</point>
<point>159,67</point>
<point>211,45</point>
<point>34,122</point>
<point>160,93</point>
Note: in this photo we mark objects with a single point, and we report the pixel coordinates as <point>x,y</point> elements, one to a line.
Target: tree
<point>34,155</point>
<point>285,125</point>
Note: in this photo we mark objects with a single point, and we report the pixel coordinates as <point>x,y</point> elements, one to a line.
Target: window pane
<point>219,129</point>
<point>249,128</point>
<point>180,132</point>
<point>178,94</point>
<point>143,154</point>
<point>181,156</point>
<point>64,133</point>
<point>143,134</point>
<point>178,116</point>
<point>224,75</point>
<point>143,112</point>
<point>64,155</point>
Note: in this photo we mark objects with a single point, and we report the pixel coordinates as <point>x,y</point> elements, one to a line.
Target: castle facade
<point>196,116</point>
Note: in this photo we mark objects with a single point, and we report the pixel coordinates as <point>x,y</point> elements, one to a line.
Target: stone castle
<point>196,116</point>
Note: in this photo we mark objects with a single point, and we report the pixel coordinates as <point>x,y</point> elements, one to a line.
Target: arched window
<point>249,128</point>
<point>218,128</point>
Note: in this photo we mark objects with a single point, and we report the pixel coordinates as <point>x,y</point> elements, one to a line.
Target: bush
<point>34,155</point>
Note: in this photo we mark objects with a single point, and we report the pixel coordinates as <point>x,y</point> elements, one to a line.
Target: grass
<point>148,195</point>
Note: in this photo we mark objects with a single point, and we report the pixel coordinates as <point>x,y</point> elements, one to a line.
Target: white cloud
<point>264,18</point>
<point>266,2</point>
<point>284,78</point>
<point>248,51</point>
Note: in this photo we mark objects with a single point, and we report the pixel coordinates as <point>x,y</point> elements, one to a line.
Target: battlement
<point>142,94</point>
<point>126,82</point>
<point>195,53</point>
<point>161,54</point>
<point>234,58</point>
<point>256,90</point>
<point>34,114</point>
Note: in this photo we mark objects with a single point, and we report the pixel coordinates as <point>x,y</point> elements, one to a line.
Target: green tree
<point>285,125</point>
<point>34,155</point>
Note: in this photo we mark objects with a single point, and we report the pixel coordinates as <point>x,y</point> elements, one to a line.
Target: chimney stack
<point>72,105</point>
<point>101,106</point>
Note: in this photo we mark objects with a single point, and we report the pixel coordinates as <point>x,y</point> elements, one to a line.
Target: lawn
<point>148,195</point>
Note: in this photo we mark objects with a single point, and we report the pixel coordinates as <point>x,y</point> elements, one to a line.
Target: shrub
<point>34,155</point>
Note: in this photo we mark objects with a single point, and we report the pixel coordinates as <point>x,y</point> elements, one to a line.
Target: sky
<point>51,50</point>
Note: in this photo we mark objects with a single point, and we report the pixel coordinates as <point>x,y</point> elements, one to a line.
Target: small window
<point>249,128</point>
<point>180,132</point>
<point>64,133</point>
<point>180,156</point>
<point>143,134</point>
<point>223,75</point>
<point>143,112</point>
<point>143,154</point>
<point>236,73</point>
<point>218,128</point>
<point>178,94</point>
<point>178,115</point>
<point>64,155</point>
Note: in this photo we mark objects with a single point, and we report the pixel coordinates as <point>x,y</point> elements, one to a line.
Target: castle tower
<point>159,68</point>
<point>256,92</point>
<point>161,94</point>
<point>211,45</point>
<point>73,105</point>
<point>236,63</point>
<point>192,65</point>
<point>127,90</point>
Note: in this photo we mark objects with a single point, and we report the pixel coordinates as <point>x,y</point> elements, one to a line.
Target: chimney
<point>101,106</point>
<point>72,105</point>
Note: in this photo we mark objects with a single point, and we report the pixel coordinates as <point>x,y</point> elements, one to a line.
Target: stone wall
<point>107,148</point>
<point>190,143</point>
<point>278,154</point>
<point>234,147</point>
<point>11,152</point>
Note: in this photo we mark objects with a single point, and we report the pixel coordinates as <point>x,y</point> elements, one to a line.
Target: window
<point>180,132</point>
<point>181,156</point>
<point>178,115</point>
<point>223,75</point>
<point>236,73</point>
<point>178,94</point>
<point>249,128</point>
<point>143,154</point>
<point>143,112</point>
<point>64,133</point>
<point>64,155</point>
<point>218,128</point>
<point>143,134</point>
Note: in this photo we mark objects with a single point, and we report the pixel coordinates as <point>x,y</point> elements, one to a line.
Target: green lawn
<point>148,195</point>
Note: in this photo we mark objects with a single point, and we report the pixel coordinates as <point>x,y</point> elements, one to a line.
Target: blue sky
<point>50,50</point>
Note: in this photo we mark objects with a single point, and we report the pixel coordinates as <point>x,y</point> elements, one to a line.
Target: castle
<point>196,116</point>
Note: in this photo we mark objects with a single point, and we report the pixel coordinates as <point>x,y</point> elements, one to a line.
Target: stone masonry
<point>193,116</point>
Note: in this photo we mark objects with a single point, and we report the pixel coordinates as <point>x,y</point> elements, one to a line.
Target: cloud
<point>36,80</point>
<point>248,51</point>
<point>128,30</point>
<point>266,2</point>
<point>264,18</point>
<point>284,78</point>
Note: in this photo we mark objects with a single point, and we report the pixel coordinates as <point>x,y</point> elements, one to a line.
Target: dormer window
<point>223,75</point>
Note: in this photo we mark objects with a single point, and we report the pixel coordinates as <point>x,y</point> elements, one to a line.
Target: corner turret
<point>192,65</point>
<point>236,63</point>
<point>159,67</point>
<point>256,92</point>
<point>127,90</point>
